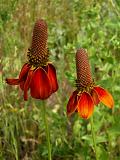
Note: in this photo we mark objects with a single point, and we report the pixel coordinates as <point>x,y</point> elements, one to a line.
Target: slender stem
<point>46,131</point>
<point>93,137</point>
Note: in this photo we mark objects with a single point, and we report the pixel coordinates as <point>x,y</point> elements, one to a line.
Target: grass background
<point>94,25</point>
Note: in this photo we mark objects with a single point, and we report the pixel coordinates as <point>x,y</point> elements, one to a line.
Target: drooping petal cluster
<point>38,74</point>
<point>87,94</point>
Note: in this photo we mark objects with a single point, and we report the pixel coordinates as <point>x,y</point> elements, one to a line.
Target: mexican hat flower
<point>87,94</point>
<point>38,74</point>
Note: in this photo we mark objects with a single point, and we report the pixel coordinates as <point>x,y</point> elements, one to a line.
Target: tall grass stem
<point>93,137</point>
<point>46,130</point>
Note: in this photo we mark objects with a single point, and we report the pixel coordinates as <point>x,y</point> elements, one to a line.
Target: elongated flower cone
<point>87,94</point>
<point>38,74</point>
<point>84,76</point>
<point>38,52</point>
<point>40,35</point>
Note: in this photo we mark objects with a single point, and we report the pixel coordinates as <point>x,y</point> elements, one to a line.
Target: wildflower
<point>87,93</point>
<point>38,74</point>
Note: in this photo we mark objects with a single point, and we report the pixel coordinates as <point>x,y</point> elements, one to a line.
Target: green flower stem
<point>46,130</point>
<point>93,137</point>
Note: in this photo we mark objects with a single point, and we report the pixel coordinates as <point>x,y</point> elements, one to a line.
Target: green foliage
<point>93,25</point>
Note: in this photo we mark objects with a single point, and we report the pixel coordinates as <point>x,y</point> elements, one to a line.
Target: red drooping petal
<point>85,105</point>
<point>53,78</point>
<point>12,81</point>
<point>22,85</point>
<point>22,76</point>
<point>94,96</point>
<point>24,71</point>
<point>72,103</point>
<point>40,85</point>
<point>105,97</point>
<point>27,83</point>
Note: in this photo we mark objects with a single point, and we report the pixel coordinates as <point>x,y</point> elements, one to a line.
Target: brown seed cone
<point>84,77</point>
<point>38,53</point>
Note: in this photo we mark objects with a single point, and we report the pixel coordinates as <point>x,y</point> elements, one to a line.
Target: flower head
<point>87,94</point>
<point>38,75</point>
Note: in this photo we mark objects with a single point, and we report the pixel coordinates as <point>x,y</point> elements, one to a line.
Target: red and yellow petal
<point>104,96</point>
<point>85,105</point>
<point>53,78</point>
<point>22,76</point>
<point>27,83</point>
<point>94,96</point>
<point>40,86</point>
<point>24,72</point>
<point>12,81</point>
<point>22,85</point>
<point>72,103</point>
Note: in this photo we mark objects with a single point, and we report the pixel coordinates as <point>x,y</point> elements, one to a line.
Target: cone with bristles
<point>38,52</point>
<point>84,77</point>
